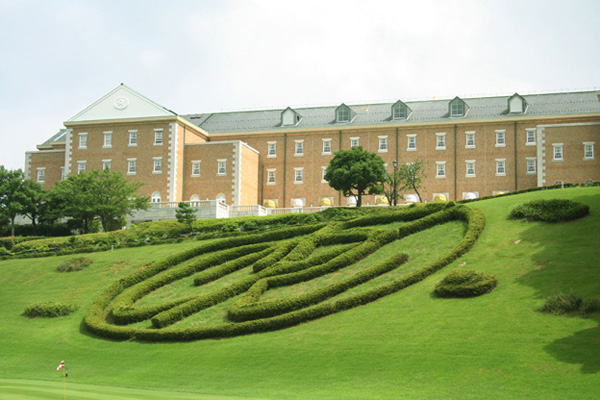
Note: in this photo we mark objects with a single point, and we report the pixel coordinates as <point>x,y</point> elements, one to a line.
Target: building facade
<point>472,147</point>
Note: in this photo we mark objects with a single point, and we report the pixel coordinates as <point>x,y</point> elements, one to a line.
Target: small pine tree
<point>186,215</point>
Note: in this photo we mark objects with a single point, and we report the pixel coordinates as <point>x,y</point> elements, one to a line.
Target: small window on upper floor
<point>530,137</point>
<point>400,110</point>
<point>343,114</point>
<point>501,138</point>
<point>158,137</point>
<point>354,142</point>
<point>299,148</point>
<point>83,140</point>
<point>326,147</point>
<point>457,108</point>
<point>41,175</point>
<point>271,149</point>
<point>132,138</point>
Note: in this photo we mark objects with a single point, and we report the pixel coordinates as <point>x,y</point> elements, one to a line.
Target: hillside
<point>408,344</point>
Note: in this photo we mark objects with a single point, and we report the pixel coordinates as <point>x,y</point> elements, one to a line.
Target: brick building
<point>472,147</point>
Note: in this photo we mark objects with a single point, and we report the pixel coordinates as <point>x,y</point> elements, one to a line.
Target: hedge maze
<point>275,259</point>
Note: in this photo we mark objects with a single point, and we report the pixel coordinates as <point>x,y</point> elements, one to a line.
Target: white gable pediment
<point>122,103</point>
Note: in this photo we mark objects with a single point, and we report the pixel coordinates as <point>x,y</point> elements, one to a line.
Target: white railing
<point>244,211</point>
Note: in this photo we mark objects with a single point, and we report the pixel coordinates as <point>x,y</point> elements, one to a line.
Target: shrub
<point>49,310</point>
<point>465,283</point>
<point>562,304</point>
<point>589,306</point>
<point>74,264</point>
<point>555,210</point>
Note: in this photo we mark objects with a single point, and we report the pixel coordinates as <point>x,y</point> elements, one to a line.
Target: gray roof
<point>58,137</point>
<point>380,114</point>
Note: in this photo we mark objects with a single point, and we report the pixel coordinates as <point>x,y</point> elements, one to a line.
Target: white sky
<point>57,57</point>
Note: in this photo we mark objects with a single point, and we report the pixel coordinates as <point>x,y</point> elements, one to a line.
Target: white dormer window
<point>289,117</point>
<point>271,149</point>
<point>516,104</point>
<point>158,137</point>
<point>400,110</point>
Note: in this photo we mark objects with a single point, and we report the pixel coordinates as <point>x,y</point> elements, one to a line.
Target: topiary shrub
<point>465,283</point>
<point>49,310</point>
<point>74,264</point>
<point>562,304</point>
<point>554,210</point>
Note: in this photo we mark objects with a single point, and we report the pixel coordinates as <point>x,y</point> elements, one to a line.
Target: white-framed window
<point>531,165</point>
<point>399,111</point>
<point>196,168</point>
<point>501,167</point>
<point>107,140</point>
<point>298,202</point>
<point>501,138</point>
<point>326,147</point>
<point>158,137</point>
<point>299,175</point>
<point>470,140</point>
<point>271,149</point>
<point>83,140</point>
<point>530,137</point>
<point>131,166</point>
<point>412,142</point>
<point>440,169</point>
<point>558,151</point>
<point>323,172</point>
<point>221,167</point>
<point>157,165</point>
<point>133,138</point>
<point>470,164</point>
<point>457,109</point>
<point>106,164</point>
<point>354,142</point>
<point>588,150</point>
<point>41,175</point>
<point>63,174</point>
<point>156,197</point>
<point>383,144</point>
<point>299,148</point>
<point>271,176</point>
<point>440,142</point>
<point>343,114</point>
<point>221,198</point>
<point>80,166</point>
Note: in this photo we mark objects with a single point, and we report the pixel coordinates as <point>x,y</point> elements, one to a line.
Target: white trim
<point>129,144</point>
<point>221,160</point>
<point>135,165</point>
<point>380,150</point>
<point>562,151</point>
<point>68,151</point>
<point>503,132</point>
<point>296,182</point>
<point>470,146</point>
<point>107,134</point>
<point>82,135</point>
<point>79,163</point>
<point>323,172</point>
<point>527,142</point>
<point>273,170</point>
<point>408,137</point>
<point>172,162</point>
<point>501,160</point>
<point>437,136</point>
<point>296,142</point>
<point>269,143</point>
<point>154,171</point>
<point>323,152</point>
<point>162,136</point>
<point>237,173</point>
<point>43,170</point>
<point>357,138</point>
<point>467,162</point>
<point>593,155</point>
<point>527,159</point>
<point>199,170</point>
<point>436,170</point>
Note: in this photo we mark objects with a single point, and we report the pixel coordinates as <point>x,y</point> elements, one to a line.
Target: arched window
<point>156,197</point>
<point>221,198</point>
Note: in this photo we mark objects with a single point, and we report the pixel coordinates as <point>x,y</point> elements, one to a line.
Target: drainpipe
<point>516,183</point>
<point>455,195</point>
<point>262,184</point>
<point>284,165</point>
<point>339,191</point>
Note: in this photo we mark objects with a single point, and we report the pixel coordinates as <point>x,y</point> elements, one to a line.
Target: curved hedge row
<point>50,309</point>
<point>289,312</point>
<point>554,210</point>
<point>465,283</point>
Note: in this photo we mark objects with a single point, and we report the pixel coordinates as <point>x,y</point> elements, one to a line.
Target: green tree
<point>186,215</point>
<point>13,199</point>
<point>411,176</point>
<point>34,202</point>
<point>356,172</point>
<point>98,195</point>
<point>389,187</point>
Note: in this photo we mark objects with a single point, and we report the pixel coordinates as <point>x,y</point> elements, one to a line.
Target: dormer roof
<point>289,117</point>
<point>517,104</point>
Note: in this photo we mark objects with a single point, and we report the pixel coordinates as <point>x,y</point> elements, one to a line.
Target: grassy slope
<point>407,345</point>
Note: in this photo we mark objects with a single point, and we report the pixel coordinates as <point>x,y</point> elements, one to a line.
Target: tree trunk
<point>359,200</point>
<point>418,195</point>
<point>12,225</point>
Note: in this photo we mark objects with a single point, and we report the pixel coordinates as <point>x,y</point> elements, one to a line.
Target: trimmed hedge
<point>96,323</point>
<point>49,310</point>
<point>555,210</point>
<point>465,283</point>
<point>74,264</point>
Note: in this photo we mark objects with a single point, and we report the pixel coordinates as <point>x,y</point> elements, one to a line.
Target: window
<point>558,151</point>
<point>63,175</point>
<point>531,165</point>
<point>588,150</point>
<point>353,142</point>
<point>412,143</point>
<point>83,140</point>
<point>156,197</point>
<point>107,140</point>
<point>158,137</point>
<point>131,166</point>
<point>470,168</point>
<point>298,175</point>
<point>440,169</point>
<point>271,176</point>
<point>501,167</point>
<point>383,147</point>
<point>343,114</point>
<point>196,168</point>
<point>106,165</point>
<point>323,172</point>
<point>470,143</point>
<point>271,149</point>
<point>530,137</point>
<point>221,167</point>
<point>221,198</point>
<point>326,146</point>
<point>157,165</point>
<point>457,109</point>
<point>399,111</point>
<point>41,175</point>
<point>500,138</point>
<point>440,143</point>
<point>80,166</point>
<point>299,149</point>
<point>132,138</point>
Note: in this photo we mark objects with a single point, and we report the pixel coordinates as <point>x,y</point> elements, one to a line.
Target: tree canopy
<point>18,196</point>
<point>411,176</point>
<point>356,172</point>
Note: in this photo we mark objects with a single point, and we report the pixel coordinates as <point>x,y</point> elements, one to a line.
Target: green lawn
<point>409,345</point>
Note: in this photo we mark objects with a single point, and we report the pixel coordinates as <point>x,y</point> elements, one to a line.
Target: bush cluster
<point>561,303</point>
<point>465,283</point>
<point>284,271</point>
<point>555,210</point>
<point>74,264</point>
<point>49,310</point>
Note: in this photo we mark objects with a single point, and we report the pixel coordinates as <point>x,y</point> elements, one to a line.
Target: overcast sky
<point>58,57</point>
